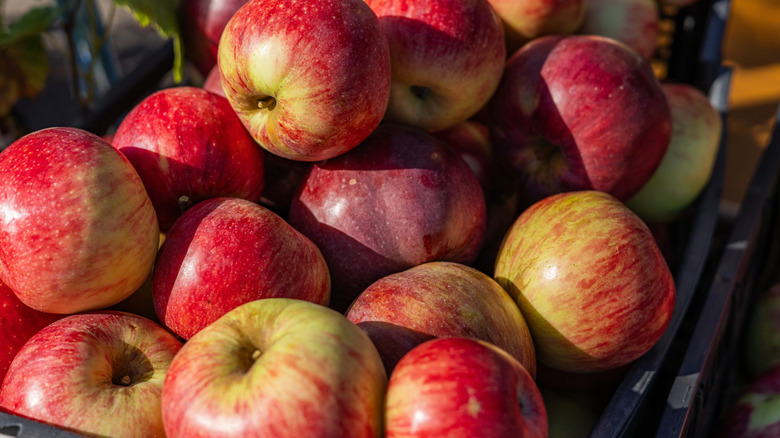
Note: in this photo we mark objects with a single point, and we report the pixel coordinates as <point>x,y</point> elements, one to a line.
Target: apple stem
<point>184,203</point>
<point>268,103</point>
<point>255,354</point>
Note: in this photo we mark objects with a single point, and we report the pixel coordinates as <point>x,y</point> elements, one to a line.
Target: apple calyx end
<point>421,92</point>
<point>184,203</point>
<point>266,103</point>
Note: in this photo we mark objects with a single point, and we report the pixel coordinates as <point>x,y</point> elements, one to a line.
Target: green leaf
<point>34,22</point>
<point>163,15</point>
<point>25,67</point>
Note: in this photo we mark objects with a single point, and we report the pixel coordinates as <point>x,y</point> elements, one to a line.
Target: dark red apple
<point>187,144</point>
<point>225,252</point>
<point>579,112</point>
<point>202,23</point>
<point>400,199</point>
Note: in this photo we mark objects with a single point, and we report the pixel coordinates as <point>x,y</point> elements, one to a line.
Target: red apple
<point>18,323</point>
<point>213,82</point>
<point>462,387</point>
<point>187,144</point>
<point>310,80</point>
<point>525,20</point>
<point>440,299</point>
<point>447,59</point>
<point>579,112</point>
<point>276,368</point>
<point>77,229</point>
<point>590,280</point>
<point>471,139</point>
<point>400,199</point>
<point>225,252</point>
<point>632,22</point>
<point>94,373</point>
<point>202,23</point>
<point>756,413</point>
<point>688,163</point>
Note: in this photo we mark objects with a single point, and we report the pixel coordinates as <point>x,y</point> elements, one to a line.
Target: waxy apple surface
<point>96,373</point>
<point>463,387</point>
<point>632,22</point>
<point>579,112</point>
<point>77,229</point>
<point>400,199</point>
<point>309,80</point>
<point>590,281</point>
<point>687,165</point>
<point>225,252</point>
<point>447,58</point>
<point>440,299</point>
<point>276,368</point>
<point>187,144</point>
<point>202,23</point>
<point>18,323</point>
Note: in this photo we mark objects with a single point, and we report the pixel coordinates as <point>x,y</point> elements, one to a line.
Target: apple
<point>202,23</point>
<point>447,59</point>
<point>471,139</point>
<point>579,112</point>
<point>213,82</point>
<point>77,229</point>
<point>687,166</point>
<point>276,367</point>
<point>526,20</point>
<point>756,412</point>
<point>440,299</point>
<point>589,279</point>
<point>462,387</point>
<point>309,80</point>
<point>570,414</point>
<point>187,144</point>
<point>400,199</point>
<point>95,373</point>
<point>225,252</point>
<point>18,323</point>
<point>761,344</point>
<point>632,22</point>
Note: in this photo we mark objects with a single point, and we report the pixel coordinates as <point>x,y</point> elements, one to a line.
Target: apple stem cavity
<point>184,203</point>
<point>420,92</point>
<point>126,381</point>
<point>267,103</point>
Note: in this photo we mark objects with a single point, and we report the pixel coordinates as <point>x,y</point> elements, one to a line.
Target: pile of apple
<point>375,218</point>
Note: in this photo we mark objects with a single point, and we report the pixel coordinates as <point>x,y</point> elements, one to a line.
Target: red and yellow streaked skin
<point>225,252</point>
<point>98,373</point>
<point>590,280</point>
<point>320,70</point>
<point>77,228</point>
<point>462,387</point>
<point>276,368</point>
<point>525,20</point>
<point>442,299</point>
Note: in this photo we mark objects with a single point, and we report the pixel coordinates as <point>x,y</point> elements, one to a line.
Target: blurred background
<point>751,47</point>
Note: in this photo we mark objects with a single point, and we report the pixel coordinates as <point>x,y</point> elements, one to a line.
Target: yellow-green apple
<point>761,346</point>
<point>202,23</point>
<point>309,79</point>
<point>280,368</point>
<point>187,144</point>
<point>77,229</point>
<point>400,199</point>
<point>462,387</point>
<point>686,167</point>
<point>224,252</point>
<point>98,374</point>
<point>632,22</point>
<point>570,414</point>
<point>579,112</point>
<point>525,20</point>
<point>590,281</point>
<point>756,412</point>
<point>436,300</point>
<point>447,59</point>
<point>18,323</point>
